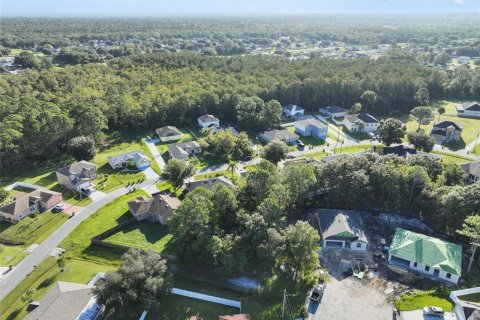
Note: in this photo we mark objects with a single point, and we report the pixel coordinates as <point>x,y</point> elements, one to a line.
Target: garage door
<point>333,244</point>
<point>400,262</point>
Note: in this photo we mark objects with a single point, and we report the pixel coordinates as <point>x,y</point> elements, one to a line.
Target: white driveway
<point>418,315</point>
<point>150,174</point>
<point>96,195</point>
<point>155,153</point>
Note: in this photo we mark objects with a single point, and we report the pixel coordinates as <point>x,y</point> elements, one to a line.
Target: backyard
<point>421,299</point>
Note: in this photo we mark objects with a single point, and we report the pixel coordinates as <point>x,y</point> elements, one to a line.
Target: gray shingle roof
<point>344,225</point>
<point>168,131</point>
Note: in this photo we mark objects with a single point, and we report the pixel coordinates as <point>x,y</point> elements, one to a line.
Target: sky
<point>222,7</point>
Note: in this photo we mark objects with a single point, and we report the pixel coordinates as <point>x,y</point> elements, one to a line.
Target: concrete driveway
<point>155,153</point>
<point>418,315</point>
<point>97,195</point>
<point>70,208</point>
<point>349,299</point>
<point>150,174</point>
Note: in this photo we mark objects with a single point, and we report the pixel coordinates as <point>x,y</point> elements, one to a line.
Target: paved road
<point>13,278</point>
<point>155,153</point>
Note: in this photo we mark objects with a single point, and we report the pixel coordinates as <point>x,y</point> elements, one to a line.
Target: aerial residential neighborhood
<point>235,162</point>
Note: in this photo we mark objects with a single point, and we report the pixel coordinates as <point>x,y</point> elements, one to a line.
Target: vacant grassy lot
<point>33,229</point>
<point>452,158</point>
<point>423,299</point>
<point>11,255</point>
<point>145,235</point>
<point>78,244</point>
<point>109,180</point>
<point>42,279</point>
<point>353,149</point>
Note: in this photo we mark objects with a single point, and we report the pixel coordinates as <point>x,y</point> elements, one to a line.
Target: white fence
<point>205,297</point>
<point>22,184</point>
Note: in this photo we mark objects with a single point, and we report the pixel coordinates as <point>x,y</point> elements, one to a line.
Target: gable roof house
<point>362,122</point>
<point>333,112</point>
<point>311,127</point>
<point>159,207</point>
<point>427,255</point>
<point>282,135</point>
<point>207,120</point>
<point>78,176</point>
<point>447,131</point>
<point>181,151</point>
<point>342,230</point>
<point>137,157</point>
<point>400,150</point>
<point>209,183</point>
<point>169,133</point>
<point>292,110</point>
<point>469,110</point>
<point>66,301</point>
<point>25,204</point>
<point>471,171</point>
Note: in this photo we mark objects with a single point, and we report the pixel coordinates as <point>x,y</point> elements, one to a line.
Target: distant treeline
<point>61,32</point>
<point>41,110</point>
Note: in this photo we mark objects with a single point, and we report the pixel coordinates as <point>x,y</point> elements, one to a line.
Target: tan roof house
<point>169,133</point>
<point>207,120</point>
<point>183,150</point>
<point>78,176</point>
<point>26,204</point>
<point>157,208</point>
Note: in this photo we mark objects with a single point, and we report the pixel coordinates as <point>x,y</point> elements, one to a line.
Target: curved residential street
<point>19,272</point>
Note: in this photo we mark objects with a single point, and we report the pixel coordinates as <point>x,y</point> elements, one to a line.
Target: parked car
<point>433,311</point>
<point>317,293</point>
<point>58,208</point>
<point>148,138</point>
<point>300,146</point>
<point>247,158</point>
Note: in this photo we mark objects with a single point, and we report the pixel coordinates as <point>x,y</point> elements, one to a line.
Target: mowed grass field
<point>145,235</point>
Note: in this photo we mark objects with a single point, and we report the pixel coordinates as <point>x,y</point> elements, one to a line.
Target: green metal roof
<point>426,250</point>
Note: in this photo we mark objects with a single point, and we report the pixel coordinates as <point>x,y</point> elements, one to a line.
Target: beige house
<point>78,176</point>
<point>282,135</point>
<point>207,120</point>
<point>138,158</point>
<point>157,208</point>
<point>182,151</point>
<point>169,133</point>
<point>471,171</point>
<point>25,204</point>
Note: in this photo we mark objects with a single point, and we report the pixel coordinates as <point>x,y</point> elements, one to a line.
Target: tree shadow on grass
<point>455,145</point>
<point>14,314</point>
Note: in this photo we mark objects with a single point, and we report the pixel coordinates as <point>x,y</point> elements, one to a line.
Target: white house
<point>362,122</point>
<point>311,127</point>
<point>469,110</point>
<point>207,120</point>
<point>282,135</point>
<point>423,254</point>
<point>343,230</point>
<point>292,110</point>
<point>333,112</point>
<point>182,151</point>
<point>138,158</point>
<point>466,308</point>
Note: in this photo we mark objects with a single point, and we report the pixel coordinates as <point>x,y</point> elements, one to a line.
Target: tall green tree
<point>275,151</point>
<point>471,230</point>
<point>423,115</point>
<point>390,131</point>
<point>141,281</point>
<point>178,170</point>
<point>422,96</point>
<point>421,141</point>
<point>82,148</point>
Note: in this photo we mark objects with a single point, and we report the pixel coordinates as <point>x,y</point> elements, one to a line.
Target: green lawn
<point>226,173</point>
<point>109,180</point>
<point>452,158</point>
<point>42,279</point>
<point>353,149</point>
<point>356,135</point>
<point>78,244</point>
<point>145,235</point>
<point>73,198</point>
<point>11,255</point>
<point>33,229</point>
<point>423,299</point>
<point>477,150</point>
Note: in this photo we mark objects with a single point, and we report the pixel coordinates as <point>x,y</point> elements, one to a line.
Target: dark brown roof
<point>24,201</point>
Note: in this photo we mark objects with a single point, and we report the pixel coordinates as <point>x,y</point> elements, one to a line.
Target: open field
<point>42,279</point>
<point>421,299</point>
<point>145,235</point>
<point>33,228</point>
<point>78,244</point>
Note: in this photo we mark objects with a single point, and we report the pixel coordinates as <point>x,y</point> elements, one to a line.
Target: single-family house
<point>235,317</point>
<point>336,157</point>
<point>78,176</point>
<point>342,230</point>
<point>471,171</point>
<point>333,112</point>
<point>292,110</point>
<point>207,120</point>
<point>159,207</point>
<point>466,305</point>
<point>25,204</point>
<point>169,133</point>
<point>183,150</point>
<point>362,122</point>
<point>282,135</point>
<point>138,158</point>
<point>447,131</point>
<point>66,301</point>
<point>400,150</point>
<point>427,255</point>
<point>469,110</point>
<point>311,127</point>
<point>209,183</point>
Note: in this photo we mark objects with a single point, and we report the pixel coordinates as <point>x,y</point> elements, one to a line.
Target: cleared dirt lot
<point>350,299</point>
